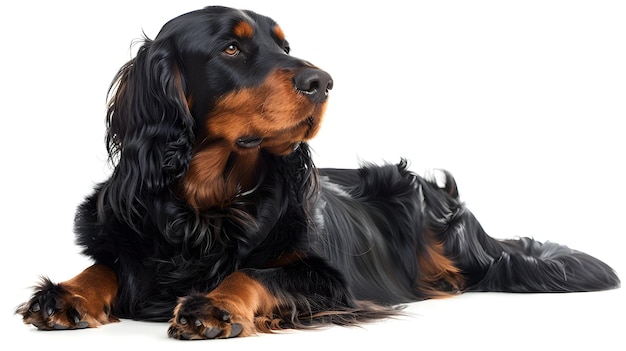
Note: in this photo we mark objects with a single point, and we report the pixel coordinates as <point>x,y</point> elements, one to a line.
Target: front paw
<point>199,317</point>
<point>52,307</point>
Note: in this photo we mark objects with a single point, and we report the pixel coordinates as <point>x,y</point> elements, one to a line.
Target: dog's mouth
<point>249,142</point>
<point>273,117</point>
<point>255,142</point>
<point>283,141</point>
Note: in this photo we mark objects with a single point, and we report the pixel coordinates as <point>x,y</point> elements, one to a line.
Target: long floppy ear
<point>150,129</point>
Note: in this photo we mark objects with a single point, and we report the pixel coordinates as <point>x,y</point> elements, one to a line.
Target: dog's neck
<point>217,175</point>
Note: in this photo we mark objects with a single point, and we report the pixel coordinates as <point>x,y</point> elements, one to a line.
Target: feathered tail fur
<point>520,265</point>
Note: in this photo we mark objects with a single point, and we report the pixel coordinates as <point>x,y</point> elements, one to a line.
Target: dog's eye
<point>232,50</point>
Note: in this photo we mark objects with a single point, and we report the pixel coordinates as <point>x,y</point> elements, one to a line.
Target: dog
<point>216,220</point>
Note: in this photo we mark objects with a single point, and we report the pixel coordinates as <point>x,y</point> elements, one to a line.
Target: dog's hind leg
<point>521,265</point>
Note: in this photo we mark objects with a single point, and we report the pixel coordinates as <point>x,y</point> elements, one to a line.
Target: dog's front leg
<point>294,295</point>
<point>81,302</point>
<point>225,312</point>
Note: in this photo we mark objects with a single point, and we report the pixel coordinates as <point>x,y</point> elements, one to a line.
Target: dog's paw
<point>200,317</point>
<point>53,307</point>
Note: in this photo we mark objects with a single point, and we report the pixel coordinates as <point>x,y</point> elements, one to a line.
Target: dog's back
<point>399,237</point>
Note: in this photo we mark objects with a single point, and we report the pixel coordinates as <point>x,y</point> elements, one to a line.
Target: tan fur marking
<point>245,298</point>
<point>435,266</point>
<point>243,30</point>
<point>279,33</point>
<point>273,111</point>
<point>93,289</point>
<point>287,259</point>
<point>204,184</point>
<point>91,293</point>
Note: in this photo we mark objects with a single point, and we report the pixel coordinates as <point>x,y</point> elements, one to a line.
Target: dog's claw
<point>235,330</point>
<point>212,333</point>
<point>35,307</point>
<point>185,336</point>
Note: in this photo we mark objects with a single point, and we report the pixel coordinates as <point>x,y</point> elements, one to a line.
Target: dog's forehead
<point>241,23</point>
<point>252,23</point>
<point>218,21</point>
<point>245,28</point>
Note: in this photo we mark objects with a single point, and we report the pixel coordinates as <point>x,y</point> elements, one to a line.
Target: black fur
<point>349,241</point>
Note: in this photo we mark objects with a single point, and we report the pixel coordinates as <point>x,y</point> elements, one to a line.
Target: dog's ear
<point>149,126</point>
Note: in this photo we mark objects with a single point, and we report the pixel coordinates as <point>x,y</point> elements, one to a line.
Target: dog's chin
<point>284,150</point>
<point>253,144</point>
<point>282,142</point>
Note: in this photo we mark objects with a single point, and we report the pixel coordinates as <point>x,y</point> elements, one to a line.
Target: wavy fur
<point>216,219</point>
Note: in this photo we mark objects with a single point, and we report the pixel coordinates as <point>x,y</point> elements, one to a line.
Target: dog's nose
<point>314,83</point>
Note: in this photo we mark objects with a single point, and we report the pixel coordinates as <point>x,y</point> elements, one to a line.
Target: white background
<point>524,102</point>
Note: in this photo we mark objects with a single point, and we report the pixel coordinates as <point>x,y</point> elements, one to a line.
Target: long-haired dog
<point>216,219</point>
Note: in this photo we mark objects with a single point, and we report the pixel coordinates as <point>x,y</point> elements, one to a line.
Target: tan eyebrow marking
<point>279,33</point>
<point>243,29</point>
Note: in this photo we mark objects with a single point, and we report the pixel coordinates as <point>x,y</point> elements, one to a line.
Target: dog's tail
<point>527,265</point>
<point>521,265</point>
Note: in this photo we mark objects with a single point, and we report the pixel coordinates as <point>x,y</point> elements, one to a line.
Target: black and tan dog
<point>216,219</point>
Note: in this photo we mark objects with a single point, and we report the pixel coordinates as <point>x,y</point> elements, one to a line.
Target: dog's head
<point>201,102</point>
